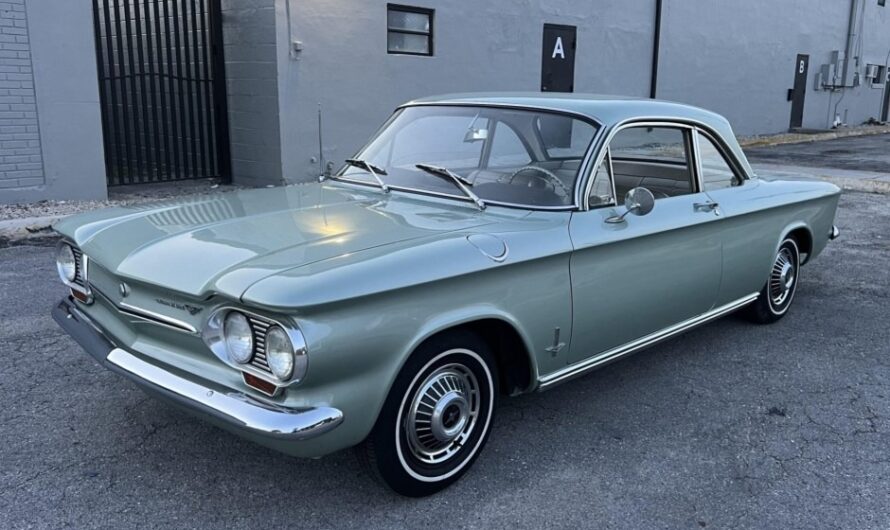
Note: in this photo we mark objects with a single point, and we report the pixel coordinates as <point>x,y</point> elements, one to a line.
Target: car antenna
<point>323,172</point>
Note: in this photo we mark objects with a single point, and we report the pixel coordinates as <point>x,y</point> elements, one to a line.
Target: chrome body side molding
<point>581,367</point>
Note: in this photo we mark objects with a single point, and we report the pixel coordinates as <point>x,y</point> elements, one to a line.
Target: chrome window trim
<point>611,176</point>
<point>583,168</point>
<point>518,106</point>
<point>611,170</point>
<point>213,338</point>
<point>581,367</point>
<point>651,121</point>
<point>696,159</point>
<point>727,157</point>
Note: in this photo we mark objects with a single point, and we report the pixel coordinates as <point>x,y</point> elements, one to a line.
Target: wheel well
<point>515,371</point>
<point>804,241</point>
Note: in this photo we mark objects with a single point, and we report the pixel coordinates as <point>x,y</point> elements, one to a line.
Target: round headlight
<point>279,353</point>
<point>238,337</point>
<point>66,263</point>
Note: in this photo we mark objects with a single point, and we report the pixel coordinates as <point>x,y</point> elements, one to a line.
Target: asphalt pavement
<point>855,153</point>
<point>731,425</point>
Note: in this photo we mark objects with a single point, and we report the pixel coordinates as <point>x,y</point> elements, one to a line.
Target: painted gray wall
<point>737,58</point>
<point>62,50</point>
<point>250,47</point>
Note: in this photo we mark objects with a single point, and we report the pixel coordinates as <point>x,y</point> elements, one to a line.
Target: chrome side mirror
<point>638,201</point>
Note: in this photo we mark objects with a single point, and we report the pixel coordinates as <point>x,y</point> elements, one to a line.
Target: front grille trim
<point>260,326</point>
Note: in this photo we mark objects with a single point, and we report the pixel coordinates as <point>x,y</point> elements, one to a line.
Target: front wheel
<point>776,296</point>
<point>436,417</point>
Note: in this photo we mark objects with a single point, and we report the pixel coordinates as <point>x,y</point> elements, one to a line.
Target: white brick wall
<point>21,163</point>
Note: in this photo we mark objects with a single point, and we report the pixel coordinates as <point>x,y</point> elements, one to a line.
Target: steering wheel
<point>550,180</point>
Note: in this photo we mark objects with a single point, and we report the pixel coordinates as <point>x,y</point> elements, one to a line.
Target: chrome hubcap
<point>443,413</point>
<point>781,281</point>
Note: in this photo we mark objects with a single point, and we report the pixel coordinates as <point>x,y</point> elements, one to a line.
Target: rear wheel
<point>776,296</point>
<point>436,417</point>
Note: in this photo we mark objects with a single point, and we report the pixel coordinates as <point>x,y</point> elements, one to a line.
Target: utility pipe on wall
<point>848,49</point>
<point>653,89</point>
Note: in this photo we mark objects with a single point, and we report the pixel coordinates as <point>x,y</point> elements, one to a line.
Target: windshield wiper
<point>375,171</point>
<point>459,181</point>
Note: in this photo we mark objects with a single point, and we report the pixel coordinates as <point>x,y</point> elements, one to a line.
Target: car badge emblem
<point>191,309</point>
<point>124,290</point>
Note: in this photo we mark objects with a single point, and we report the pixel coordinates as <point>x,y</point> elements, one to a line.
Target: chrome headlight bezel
<point>79,285</point>
<point>214,337</point>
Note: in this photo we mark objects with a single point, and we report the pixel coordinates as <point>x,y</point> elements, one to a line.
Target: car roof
<point>605,109</point>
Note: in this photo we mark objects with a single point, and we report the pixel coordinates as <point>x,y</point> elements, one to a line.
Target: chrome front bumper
<point>236,410</point>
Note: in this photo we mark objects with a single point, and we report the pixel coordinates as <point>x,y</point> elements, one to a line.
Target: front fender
<point>356,350</point>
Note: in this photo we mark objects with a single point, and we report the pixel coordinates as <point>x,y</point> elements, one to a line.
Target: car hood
<point>225,243</point>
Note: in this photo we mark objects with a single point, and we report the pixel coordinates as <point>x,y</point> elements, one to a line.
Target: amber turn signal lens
<point>255,382</point>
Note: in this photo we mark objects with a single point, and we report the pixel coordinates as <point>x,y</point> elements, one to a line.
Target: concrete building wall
<point>739,59</point>
<point>21,164</point>
<point>66,126</point>
<point>250,47</point>
<point>736,58</point>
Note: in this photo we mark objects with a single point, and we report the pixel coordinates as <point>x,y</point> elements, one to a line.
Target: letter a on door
<point>557,50</point>
<point>558,45</point>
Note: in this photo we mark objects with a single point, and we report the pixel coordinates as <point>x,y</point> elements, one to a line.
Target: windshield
<point>521,157</point>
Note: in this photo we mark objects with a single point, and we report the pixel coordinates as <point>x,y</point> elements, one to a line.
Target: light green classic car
<point>480,245</point>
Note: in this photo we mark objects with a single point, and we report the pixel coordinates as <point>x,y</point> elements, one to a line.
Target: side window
<point>601,187</point>
<point>507,149</point>
<point>656,158</point>
<point>716,173</point>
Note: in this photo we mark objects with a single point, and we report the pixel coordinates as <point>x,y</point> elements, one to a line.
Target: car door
<point>644,274</point>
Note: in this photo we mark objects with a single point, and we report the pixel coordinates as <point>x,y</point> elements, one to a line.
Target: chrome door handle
<point>706,206</point>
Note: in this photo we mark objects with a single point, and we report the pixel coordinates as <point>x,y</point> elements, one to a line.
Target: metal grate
<point>162,88</point>
<point>260,327</point>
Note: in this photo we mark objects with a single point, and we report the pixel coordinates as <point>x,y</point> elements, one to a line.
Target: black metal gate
<point>162,88</point>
